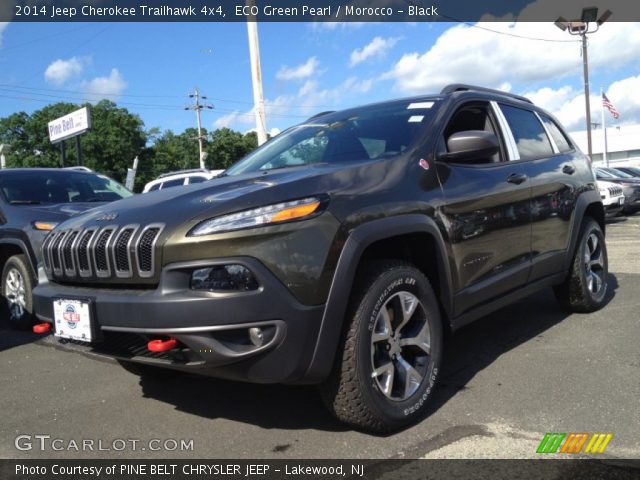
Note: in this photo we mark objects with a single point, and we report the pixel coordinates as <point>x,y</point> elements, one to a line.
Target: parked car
<point>630,187</point>
<point>633,171</point>
<point>340,252</point>
<point>183,177</point>
<point>612,197</point>
<point>32,202</point>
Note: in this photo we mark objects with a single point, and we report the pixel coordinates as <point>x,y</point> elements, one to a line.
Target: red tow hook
<point>162,345</point>
<point>43,327</point>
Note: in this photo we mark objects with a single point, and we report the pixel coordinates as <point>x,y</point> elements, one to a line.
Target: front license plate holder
<point>74,319</point>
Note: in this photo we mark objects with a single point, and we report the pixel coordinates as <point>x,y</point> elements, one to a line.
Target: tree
<point>227,147</point>
<point>109,147</point>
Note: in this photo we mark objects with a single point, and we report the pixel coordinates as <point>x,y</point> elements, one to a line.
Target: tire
<point>17,292</point>
<point>397,396</point>
<point>585,288</point>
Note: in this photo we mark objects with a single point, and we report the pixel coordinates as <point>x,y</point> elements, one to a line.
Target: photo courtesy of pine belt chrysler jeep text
<point>338,253</point>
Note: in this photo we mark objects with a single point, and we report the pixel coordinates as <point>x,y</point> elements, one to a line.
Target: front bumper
<point>211,328</point>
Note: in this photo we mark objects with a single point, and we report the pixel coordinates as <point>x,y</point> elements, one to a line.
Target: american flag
<point>609,106</point>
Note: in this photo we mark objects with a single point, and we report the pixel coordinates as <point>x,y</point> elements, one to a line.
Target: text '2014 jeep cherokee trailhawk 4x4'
<point>340,251</point>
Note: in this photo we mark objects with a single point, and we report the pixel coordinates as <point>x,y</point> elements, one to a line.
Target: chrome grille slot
<point>122,251</point>
<point>56,261</point>
<point>145,249</point>
<point>45,252</point>
<point>100,252</point>
<point>82,253</point>
<point>68,262</point>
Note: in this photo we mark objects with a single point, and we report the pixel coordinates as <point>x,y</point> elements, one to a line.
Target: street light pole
<point>587,103</point>
<point>581,28</point>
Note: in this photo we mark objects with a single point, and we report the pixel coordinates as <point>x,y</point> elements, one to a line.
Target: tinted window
<point>173,183</point>
<point>42,186</point>
<point>196,179</point>
<point>562,142</point>
<point>530,137</point>
<point>155,187</point>
<point>368,133</point>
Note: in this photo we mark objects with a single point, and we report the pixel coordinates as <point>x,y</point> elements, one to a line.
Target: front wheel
<point>17,288</point>
<point>390,358</point>
<point>585,288</point>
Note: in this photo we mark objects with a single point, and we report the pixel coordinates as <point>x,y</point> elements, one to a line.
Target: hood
<point>220,196</point>
<point>216,197</point>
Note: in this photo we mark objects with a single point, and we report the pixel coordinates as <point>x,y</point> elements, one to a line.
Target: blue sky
<point>151,68</point>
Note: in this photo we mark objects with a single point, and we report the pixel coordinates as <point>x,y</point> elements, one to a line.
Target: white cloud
<point>465,54</point>
<point>293,108</point>
<point>229,119</point>
<point>378,47</point>
<point>567,103</point>
<point>59,71</point>
<point>299,72</point>
<point>104,87</point>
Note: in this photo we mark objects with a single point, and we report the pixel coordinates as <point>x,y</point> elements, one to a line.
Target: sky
<point>151,68</point>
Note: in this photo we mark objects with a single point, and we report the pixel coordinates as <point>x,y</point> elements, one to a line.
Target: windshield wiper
<point>25,202</point>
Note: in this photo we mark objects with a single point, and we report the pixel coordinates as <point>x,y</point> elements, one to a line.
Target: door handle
<point>517,178</point>
<point>568,169</point>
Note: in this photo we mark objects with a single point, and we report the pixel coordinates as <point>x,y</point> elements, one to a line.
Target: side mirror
<point>470,145</point>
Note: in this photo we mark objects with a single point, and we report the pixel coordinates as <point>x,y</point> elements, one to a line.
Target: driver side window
<point>475,116</point>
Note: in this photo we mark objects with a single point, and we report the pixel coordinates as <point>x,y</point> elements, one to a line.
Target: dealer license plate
<point>72,319</point>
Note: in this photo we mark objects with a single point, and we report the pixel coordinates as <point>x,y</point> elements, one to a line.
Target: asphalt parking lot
<point>508,379</point>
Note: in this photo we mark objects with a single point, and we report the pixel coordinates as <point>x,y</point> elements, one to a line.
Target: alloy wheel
<point>400,346</point>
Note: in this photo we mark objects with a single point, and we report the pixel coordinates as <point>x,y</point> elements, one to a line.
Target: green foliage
<point>114,140</point>
<point>227,147</point>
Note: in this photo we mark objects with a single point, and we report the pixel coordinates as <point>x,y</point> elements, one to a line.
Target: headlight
<point>270,214</point>
<point>44,226</point>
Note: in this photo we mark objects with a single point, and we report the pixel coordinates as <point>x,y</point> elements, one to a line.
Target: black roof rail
<point>461,87</point>
<point>320,114</point>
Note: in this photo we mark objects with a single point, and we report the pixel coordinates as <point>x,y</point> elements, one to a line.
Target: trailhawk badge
<point>105,217</point>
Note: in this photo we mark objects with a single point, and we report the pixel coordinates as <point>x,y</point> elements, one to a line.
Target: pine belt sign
<point>70,125</point>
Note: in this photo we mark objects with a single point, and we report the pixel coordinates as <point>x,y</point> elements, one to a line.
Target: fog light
<point>256,336</point>
<point>224,278</point>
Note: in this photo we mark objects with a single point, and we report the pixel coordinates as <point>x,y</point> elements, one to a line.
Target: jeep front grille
<point>615,191</point>
<point>104,254</point>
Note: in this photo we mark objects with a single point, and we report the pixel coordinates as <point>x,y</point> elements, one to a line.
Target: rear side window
<point>196,179</point>
<point>530,137</point>
<point>173,183</point>
<point>155,187</point>
<point>562,142</point>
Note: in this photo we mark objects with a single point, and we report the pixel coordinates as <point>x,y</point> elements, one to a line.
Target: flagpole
<point>605,159</point>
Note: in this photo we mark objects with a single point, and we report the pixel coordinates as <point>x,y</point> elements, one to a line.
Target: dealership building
<point>623,144</point>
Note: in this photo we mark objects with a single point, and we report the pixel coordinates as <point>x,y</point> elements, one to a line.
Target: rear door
<point>547,156</point>
<point>487,212</point>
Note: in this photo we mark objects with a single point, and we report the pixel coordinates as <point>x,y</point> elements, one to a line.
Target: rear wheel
<point>391,353</point>
<point>585,288</point>
<point>17,288</point>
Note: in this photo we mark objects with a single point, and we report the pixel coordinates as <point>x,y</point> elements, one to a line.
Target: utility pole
<point>585,74</point>
<point>197,107</point>
<point>256,76</point>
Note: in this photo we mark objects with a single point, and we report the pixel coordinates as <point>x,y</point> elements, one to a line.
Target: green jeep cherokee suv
<point>339,252</point>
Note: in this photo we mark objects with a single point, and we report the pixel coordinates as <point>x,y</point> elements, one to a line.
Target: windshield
<point>368,133</point>
<point>51,186</point>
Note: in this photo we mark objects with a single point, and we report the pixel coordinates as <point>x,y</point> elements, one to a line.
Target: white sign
<point>70,125</point>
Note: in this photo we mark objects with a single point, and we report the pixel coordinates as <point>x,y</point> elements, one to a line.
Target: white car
<point>612,198</point>
<point>183,177</point>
